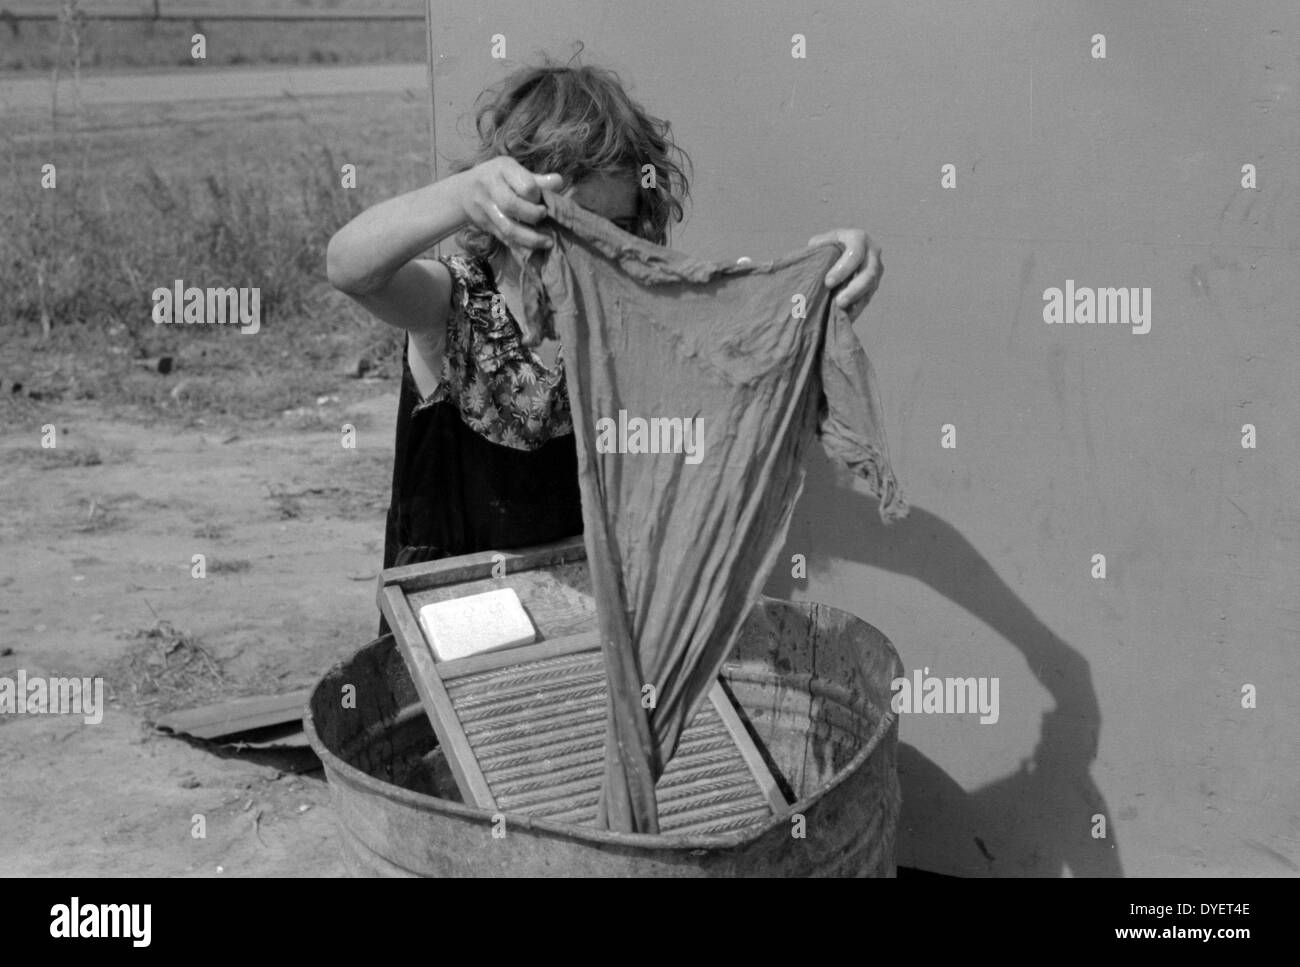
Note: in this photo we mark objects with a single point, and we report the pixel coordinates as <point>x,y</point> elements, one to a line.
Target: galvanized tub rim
<point>659,841</point>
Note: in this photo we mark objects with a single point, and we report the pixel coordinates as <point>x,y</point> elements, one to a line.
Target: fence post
<point>433,100</point>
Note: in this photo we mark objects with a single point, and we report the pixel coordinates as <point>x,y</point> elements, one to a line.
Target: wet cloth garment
<point>755,361</point>
<point>487,461</point>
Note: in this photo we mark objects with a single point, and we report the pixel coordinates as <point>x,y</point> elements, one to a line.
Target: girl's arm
<point>373,258</point>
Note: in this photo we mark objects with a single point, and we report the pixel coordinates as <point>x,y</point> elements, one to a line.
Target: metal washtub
<point>810,681</point>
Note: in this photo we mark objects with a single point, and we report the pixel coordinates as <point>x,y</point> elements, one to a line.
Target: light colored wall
<point>1118,696</point>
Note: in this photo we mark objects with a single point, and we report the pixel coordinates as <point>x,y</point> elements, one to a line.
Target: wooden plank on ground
<point>237,715</point>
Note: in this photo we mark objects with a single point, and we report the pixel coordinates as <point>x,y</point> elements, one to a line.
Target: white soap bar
<point>476,624</point>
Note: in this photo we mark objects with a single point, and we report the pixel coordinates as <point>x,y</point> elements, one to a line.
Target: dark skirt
<point>455,492</point>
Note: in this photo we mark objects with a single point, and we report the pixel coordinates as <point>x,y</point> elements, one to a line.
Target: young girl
<point>485,454</point>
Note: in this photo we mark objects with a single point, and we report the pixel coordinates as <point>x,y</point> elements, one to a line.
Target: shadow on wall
<point>1036,821</point>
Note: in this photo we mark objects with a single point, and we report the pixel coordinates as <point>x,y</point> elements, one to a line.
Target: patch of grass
<point>288,506</point>
<point>140,44</point>
<point>229,567</point>
<point>55,458</point>
<point>210,531</point>
<point>233,195</point>
<point>99,517</point>
<point>314,419</point>
<point>169,669</point>
<point>70,260</point>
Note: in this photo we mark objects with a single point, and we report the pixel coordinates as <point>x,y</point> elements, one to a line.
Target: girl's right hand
<point>501,197</point>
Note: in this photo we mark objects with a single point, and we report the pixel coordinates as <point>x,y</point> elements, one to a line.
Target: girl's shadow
<point>1037,821</point>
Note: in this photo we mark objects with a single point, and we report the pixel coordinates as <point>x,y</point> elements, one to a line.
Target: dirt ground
<point>97,539</point>
<point>235,454</point>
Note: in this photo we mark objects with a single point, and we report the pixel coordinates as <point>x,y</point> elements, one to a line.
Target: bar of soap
<point>476,624</point>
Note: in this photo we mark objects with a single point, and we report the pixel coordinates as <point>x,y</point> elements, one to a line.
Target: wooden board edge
<point>753,758</point>
<point>237,715</point>
<point>478,566</point>
<point>537,651</point>
<point>437,703</point>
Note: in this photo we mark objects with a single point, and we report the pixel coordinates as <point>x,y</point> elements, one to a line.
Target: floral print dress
<point>487,461</point>
<point>504,391</point>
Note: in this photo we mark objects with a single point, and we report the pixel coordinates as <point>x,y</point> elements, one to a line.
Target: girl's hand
<point>501,197</point>
<point>860,264</point>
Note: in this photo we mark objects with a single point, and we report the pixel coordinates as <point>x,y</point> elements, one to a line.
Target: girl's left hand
<point>860,264</point>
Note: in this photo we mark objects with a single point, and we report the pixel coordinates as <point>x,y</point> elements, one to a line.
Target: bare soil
<point>98,536</point>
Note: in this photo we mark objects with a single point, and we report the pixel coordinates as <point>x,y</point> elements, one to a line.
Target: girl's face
<point>612,197</point>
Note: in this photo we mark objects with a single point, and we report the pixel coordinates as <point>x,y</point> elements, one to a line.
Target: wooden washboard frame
<point>534,712</point>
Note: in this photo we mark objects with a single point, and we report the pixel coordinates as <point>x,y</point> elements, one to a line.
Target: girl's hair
<point>579,121</point>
